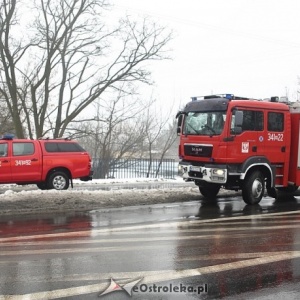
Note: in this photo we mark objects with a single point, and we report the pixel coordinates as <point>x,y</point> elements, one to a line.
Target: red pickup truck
<point>48,163</point>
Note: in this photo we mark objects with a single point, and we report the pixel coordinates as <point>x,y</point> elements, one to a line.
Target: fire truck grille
<point>198,150</point>
<point>195,174</point>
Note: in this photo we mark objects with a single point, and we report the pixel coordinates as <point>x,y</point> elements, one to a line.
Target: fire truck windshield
<point>204,123</point>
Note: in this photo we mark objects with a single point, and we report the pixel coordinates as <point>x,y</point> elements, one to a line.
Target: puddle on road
<point>21,225</point>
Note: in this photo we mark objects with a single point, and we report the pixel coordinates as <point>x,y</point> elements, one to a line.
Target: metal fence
<point>136,168</point>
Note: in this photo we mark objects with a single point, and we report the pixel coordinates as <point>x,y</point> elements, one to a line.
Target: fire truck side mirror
<point>179,123</point>
<point>238,122</point>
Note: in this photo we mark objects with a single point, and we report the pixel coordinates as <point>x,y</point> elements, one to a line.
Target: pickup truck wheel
<point>254,188</point>
<point>58,180</point>
<point>42,186</point>
<point>210,191</point>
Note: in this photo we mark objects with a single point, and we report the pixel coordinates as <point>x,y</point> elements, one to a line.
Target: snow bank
<point>34,200</point>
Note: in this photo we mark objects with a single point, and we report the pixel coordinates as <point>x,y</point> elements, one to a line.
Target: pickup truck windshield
<point>204,123</point>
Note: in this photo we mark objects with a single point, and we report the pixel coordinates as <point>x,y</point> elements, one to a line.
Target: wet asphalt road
<point>192,250</point>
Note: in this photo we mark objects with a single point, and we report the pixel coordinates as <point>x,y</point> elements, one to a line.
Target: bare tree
<point>166,141</point>
<point>154,125</point>
<point>6,122</point>
<point>117,134</point>
<point>11,51</point>
<point>73,61</point>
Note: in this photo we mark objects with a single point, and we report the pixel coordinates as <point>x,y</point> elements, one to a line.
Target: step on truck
<point>239,143</point>
<point>48,163</point>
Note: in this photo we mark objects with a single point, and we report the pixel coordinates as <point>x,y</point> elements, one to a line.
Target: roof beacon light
<point>7,136</point>
<point>226,96</point>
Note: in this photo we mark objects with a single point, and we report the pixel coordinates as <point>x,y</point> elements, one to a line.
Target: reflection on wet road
<point>192,250</point>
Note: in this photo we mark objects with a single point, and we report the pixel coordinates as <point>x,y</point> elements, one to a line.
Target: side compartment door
<point>26,162</point>
<point>5,162</point>
<point>277,143</point>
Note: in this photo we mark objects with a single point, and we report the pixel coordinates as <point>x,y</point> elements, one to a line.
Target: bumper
<point>214,174</point>
<point>87,178</point>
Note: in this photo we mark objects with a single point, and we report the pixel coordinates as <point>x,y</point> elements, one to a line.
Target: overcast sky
<point>248,48</point>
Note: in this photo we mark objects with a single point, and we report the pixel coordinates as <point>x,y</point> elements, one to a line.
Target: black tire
<point>58,180</point>
<point>253,188</point>
<point>42,185</point>
<point>209,191</point>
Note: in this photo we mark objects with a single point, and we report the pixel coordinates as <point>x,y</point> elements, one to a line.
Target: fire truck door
<point>249,142</point>
<point>5,163</point>
<point>26,165</point>
<point>243,146</point>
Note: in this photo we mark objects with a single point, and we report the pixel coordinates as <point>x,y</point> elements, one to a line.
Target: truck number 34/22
<point>26,162</point>
<point>275,137</point>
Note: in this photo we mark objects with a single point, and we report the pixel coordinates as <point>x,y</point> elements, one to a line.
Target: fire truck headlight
<point>218,175</point>
<point>218,172</point>
<point>181,169</point>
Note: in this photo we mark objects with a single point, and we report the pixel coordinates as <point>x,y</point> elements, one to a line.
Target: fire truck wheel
<point>209,191</point>
<point>58,180</point>
<point>254,188</point>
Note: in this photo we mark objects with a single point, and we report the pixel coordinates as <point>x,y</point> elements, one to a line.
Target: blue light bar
<point>226,96</point>
<point>229,96</point>
<point>7,136</point>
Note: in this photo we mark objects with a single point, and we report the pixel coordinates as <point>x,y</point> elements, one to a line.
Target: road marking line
<point>86,251</point>
<point>114,248</point>
<point>126,239</point>
<point>155,278</point>
<point>12,241</point>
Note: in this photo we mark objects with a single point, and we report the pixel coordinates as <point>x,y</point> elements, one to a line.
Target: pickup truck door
<point>5,163</point>
<point>26,162</point>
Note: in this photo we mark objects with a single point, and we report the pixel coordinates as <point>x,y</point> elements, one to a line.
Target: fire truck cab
<point>239,143</point>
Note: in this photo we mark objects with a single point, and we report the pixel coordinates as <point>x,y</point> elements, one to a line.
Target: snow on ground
<point>28,199</point>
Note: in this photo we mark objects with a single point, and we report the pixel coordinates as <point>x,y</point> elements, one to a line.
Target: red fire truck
<point>239,143</point>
